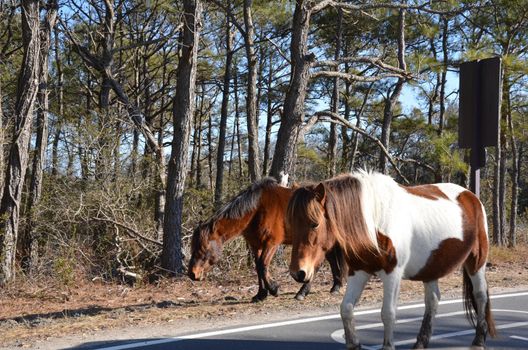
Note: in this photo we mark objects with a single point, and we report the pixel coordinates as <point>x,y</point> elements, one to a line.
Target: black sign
<point>479,106</point>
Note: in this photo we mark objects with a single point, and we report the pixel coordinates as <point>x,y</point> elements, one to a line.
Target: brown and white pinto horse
<point>394,232</point>
<point>258,214</point>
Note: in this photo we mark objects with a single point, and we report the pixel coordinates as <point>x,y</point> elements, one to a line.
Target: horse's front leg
<point>265,261</point>
<point>262,291</point>
<point>391,290</point>
<point>304,291</point>
<point>336,260</point>
<point>355,285</point>
<point>432,296</point>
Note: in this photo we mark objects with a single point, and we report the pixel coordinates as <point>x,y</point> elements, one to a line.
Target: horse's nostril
<point>301,275</point>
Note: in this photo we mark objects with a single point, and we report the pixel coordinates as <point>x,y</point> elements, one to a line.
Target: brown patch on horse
<point>426,191</point>
<point>372,262</point>
<point>475,226</point>
<point>472,250</point>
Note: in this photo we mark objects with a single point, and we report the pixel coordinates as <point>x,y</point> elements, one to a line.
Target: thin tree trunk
<point>515,178</point>
<point>291,126</point>
<point>237,123</point>
<point>18,154</point>
<point>269,117</point>
<point>443,80</point>
<point>334,107</point>
<point>251,95</point>
<point>60,103</point>
<point>219,183</point>
<point>183,110</point>
<point>392,97</point>
<point>2,140</point>
<point>29,241</point>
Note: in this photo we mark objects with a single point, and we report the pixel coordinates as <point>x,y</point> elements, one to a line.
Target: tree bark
<point>18,154</point>
<point>251,95</point>
<point>334,106</point>
<point>219,183</point>
<point>514,175</point>
<point>29,242</point>
<point>60,103</point>
<point>293,116</point>
<point>392,97</point>
<point>443,79</point>
<point>183,110</point>
<point>269,117</point>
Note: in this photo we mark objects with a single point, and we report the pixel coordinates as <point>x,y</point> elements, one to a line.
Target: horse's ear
<point>320,193</point>
<point>295,186</point>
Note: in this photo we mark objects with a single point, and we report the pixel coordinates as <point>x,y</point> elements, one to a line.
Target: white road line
<point>283,323</point>
<point>451,335</point>
<point>519,338</point>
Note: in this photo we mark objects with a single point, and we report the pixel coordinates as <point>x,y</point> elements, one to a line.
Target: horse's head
<point>311,238</point>
<point>206,251</point>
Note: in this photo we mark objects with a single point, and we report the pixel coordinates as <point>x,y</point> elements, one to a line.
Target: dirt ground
<point>36,315</point>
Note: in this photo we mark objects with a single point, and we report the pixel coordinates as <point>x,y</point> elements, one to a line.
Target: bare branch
<point>354,77</point>
<point>336,118</point>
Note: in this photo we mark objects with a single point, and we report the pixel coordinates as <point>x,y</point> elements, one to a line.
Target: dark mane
<point>345,215</point>
<point>245,201</point>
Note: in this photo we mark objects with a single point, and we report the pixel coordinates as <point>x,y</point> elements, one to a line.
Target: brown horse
<point>258,214</point>
<point>419,233</point>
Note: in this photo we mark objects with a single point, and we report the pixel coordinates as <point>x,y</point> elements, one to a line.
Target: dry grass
<point>31,311</point>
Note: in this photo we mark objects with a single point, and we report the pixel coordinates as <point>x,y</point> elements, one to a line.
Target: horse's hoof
<point>353,347</point>
<point>335,289</point>
<point>299,296</point>
<point>274,290</point>
<point>261,296</point>
<point>419,345</point>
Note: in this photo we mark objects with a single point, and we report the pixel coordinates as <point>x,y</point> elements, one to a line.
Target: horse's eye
<point>314,225</point>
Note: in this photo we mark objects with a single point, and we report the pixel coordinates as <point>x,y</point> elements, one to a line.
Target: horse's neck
<point>230,228</point>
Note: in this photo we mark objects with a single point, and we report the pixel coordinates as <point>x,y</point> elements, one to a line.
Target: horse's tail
<point>470,305</point>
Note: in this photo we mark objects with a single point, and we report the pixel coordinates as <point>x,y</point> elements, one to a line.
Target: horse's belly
<point>449,255</point>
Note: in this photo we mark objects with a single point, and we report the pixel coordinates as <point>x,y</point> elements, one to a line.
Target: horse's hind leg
<point>262,293</point>
<point>480,301</point>
<point>335,259</point>
<point>355,285</point>
<point>432,296</point>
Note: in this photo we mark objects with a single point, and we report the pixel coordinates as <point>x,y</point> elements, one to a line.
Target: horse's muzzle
<point>299,276</point>
<point>195,277</point>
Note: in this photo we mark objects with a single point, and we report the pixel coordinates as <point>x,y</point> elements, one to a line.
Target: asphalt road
<point>451,330</point>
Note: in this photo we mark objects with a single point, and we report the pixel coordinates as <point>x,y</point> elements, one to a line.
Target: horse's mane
<point>345,210</point>
<point>245,201</point>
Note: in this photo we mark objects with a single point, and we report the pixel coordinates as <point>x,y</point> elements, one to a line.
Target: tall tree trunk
<point>334,106</point>
<point>392,97</point>
<point>60,103</point>
<point>219,183</point>
<point>251,95</point>
<point>269,116</point>
<point>29,241</point>
<point>514,175</point>
<point>2,140</point>
<point>443,79</point>
<point>18,154</point>
<point>183,110</point>
<point>237,123</point>
<point>293,116</point>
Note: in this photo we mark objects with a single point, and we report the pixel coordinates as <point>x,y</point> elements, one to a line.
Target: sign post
<point>479,112</point>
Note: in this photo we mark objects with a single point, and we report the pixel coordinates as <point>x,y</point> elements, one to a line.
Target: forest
<point>125,123</point>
